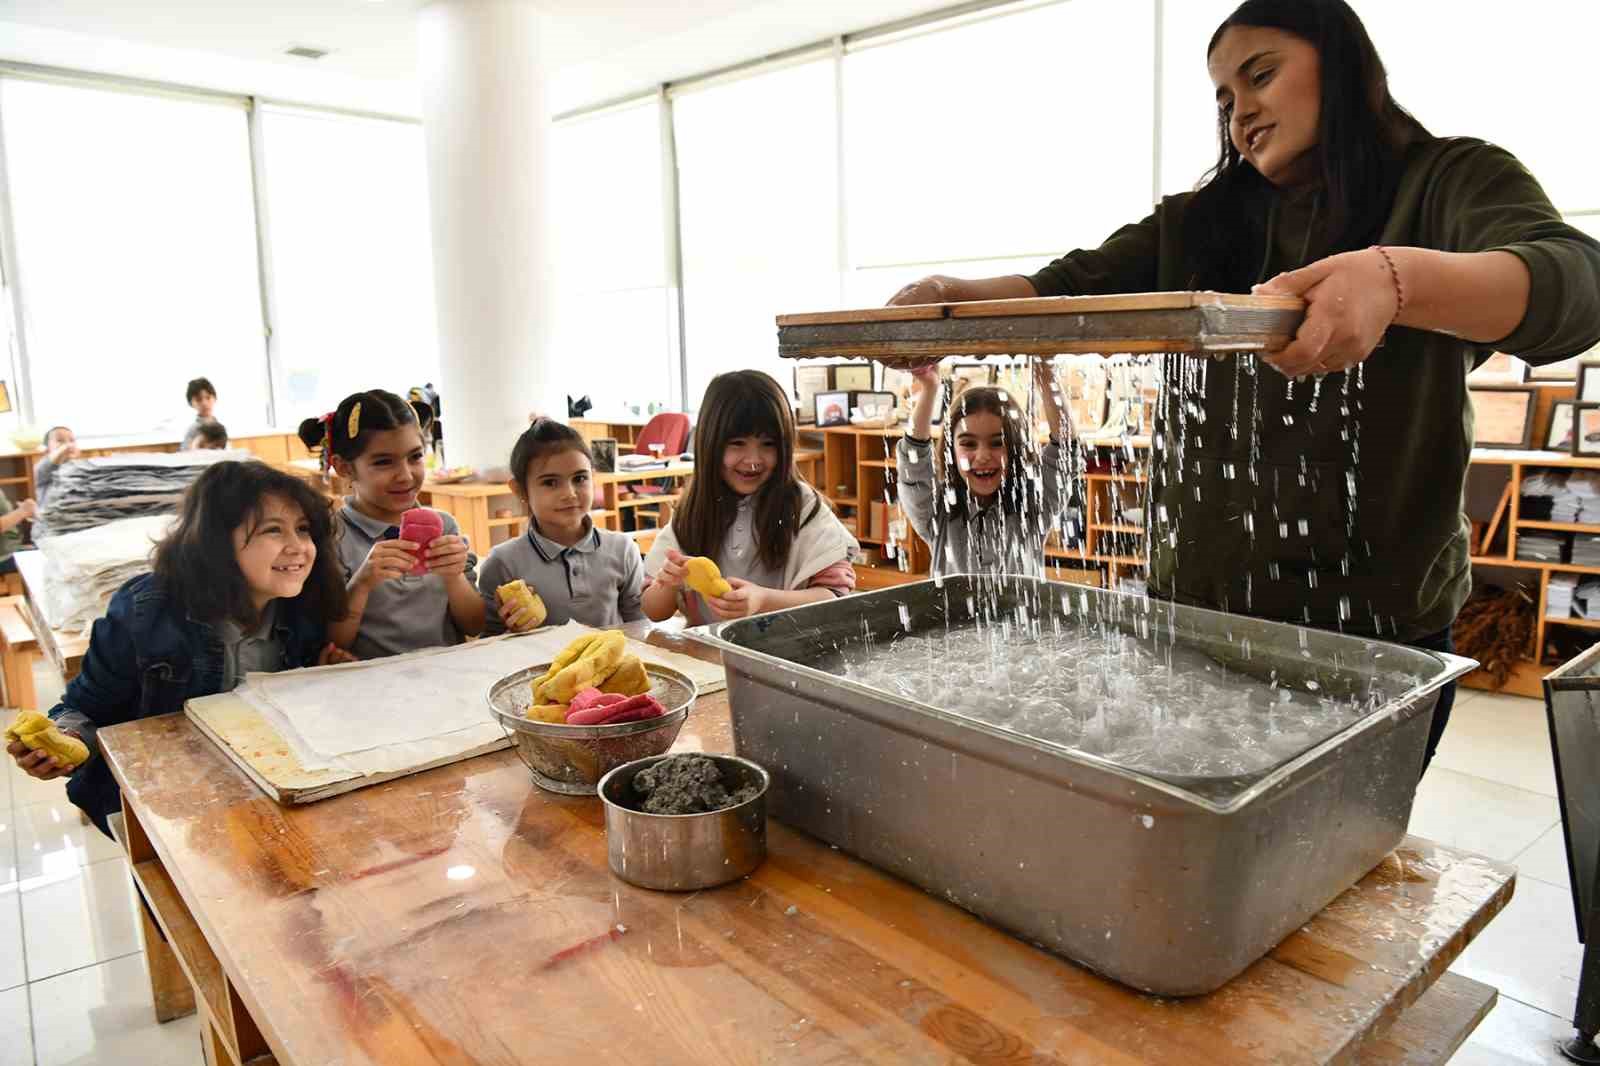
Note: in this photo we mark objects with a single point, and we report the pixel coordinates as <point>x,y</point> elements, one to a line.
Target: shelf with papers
<point>1582,623</point>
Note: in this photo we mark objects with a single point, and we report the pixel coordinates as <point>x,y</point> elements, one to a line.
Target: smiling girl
<point>374,441</point>
<point>983,499</point>
<point>773,536</point>
<point>581,572</point>
<point>246,580</point>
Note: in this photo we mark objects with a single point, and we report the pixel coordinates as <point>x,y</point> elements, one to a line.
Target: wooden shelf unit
<point>1528,678</point>
<point>861,461</point>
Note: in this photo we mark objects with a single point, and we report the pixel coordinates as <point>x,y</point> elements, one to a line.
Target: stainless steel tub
<point>1171,885</point>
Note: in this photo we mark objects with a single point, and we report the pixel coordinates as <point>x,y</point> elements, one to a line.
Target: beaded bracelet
<point>1394,272</point>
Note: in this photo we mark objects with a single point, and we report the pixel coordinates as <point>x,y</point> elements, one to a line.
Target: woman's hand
<point>672,573</point>
<point>447,556</point>
<point>28,510</point>
<point>37,763</point>
<point>934,289</point>
<point>518,618</point>
<point>333,655</point>
<point>1351,299</point>
<point>746,598</point>
<point>388,559</point>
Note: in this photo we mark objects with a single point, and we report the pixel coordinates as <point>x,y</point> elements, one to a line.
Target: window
<point>136,255</point>
<point>352,261</point>
<point>1022,135</point>
<point>759,214</point>
<point>615,317</point>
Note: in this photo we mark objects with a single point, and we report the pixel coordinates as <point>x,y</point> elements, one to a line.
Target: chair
<point>671,431</point>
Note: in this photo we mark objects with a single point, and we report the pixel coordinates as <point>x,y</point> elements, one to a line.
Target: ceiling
<point>598,49</point>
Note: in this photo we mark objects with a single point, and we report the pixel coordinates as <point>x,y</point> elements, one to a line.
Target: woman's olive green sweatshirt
<point>1339,503</point>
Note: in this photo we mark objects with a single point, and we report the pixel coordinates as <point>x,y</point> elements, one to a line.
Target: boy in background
<point>61,446</point>
<point>202,396</point>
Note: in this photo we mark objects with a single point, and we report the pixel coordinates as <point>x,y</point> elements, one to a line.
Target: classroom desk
<point>17,466</point>
<point>463,916</point>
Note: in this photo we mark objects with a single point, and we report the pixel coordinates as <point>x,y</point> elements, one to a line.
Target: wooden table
<point>462,916</point>
<point>64,650</point>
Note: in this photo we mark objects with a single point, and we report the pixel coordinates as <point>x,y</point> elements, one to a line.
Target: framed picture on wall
<point>603,450</point>
<point>1559,436</point>
<point>1566,370</point>
<point>852,377</point>
<point>1589,383</point>
<point>1503,415</point>
<point>831,409</point>
<point>810,379</point>
<point>1586,434</point>
<point>1499,369</point>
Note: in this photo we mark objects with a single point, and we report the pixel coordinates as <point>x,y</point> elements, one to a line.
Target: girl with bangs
<point>774,537</point>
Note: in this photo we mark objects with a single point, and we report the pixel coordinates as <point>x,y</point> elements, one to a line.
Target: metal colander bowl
<point>571,759</point>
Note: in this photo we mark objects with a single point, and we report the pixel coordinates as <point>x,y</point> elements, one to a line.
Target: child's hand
<point>332,655</point>
<point>517,617</point>
<point>447,556</point>
<point>36,763</point>
<point>388,559</point>
<point>28,510</point>
<point>746,598</point>
<point>673,573</point>
<point>925,377</point>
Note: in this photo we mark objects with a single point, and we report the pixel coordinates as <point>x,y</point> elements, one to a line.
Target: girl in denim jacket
<point>247,579</point>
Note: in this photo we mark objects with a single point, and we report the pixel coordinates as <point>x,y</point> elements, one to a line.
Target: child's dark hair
<point>213,433</point>
<point>196,560</point>
<point>1016,494</point>
<point>545,437</point>
<point>198,387</point>
<point>743,403</point>
<point>346,431</point>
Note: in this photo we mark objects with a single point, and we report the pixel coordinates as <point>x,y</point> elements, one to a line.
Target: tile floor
<point>73,986</point>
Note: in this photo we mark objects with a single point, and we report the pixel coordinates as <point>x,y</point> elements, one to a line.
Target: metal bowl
<point>685,852</point>
<point>571,759</point>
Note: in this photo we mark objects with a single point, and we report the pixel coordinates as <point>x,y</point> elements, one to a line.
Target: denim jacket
<point>146,657</point>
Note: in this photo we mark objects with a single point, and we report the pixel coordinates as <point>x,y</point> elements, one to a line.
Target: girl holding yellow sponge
<point>750,535</point>
<point>520,606</point>
<point>581,573</point>
<point>36,732</point>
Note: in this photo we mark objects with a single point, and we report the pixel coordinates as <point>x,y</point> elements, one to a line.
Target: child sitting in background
<point>974,498</point>
<point>10,536</point>
<point>581,572</point>
<point>203,398</point>
<point>211,437</point>
<point>774,537</point>
<point>374,441</point>
<point>60,446</point>
<point>246,580</point>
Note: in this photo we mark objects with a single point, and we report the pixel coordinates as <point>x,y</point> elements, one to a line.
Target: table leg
<point>18,668</point>
<point>170,989</point>
<point>608,500</point>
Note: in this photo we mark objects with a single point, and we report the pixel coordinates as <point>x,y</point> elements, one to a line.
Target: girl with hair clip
<point>984,499</point>
<point>374,440</point>
<point>247,580</point>
<point>580,572</point>
<point>774,537</point>
<point>1416,255</point>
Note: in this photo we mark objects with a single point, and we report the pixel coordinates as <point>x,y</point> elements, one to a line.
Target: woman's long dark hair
<point>743,403</point>
<point>196,560</point>
<point>953,499</point>
<point>1361,139</point>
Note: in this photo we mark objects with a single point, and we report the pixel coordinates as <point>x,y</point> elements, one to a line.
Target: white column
<point>484,121</point>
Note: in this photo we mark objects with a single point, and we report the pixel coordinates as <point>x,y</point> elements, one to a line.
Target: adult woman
<point>1335,502</point>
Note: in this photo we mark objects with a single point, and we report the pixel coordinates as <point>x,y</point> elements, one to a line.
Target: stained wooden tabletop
<point>463,916</point>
